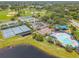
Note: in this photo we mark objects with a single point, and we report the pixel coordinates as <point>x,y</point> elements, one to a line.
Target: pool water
<point>65,39</point>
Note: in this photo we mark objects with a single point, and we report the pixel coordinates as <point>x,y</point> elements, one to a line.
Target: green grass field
<point>3,16</point>
<point>29,12</point>
<point>4,13</point>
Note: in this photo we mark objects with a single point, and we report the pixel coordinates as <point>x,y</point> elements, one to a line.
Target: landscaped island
<point>44,27</point>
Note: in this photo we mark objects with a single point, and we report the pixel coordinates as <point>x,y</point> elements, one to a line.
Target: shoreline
<point>13,46</point>
<point>44,46</point>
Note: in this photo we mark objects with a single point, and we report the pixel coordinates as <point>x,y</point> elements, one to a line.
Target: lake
<point>23,51</point>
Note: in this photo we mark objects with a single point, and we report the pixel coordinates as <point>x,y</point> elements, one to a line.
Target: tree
<point>77,49</point>
<point>37,15</point>
<point>60,21</point>
<point>50,21</point>
<point>76,34</point>
<point>34,35</point>
<point>18,15</point>
<point>13,19</point>
<point>50,26</point>
<point>72,28</point>
<point>44,18</point>
<point>51,39</point>
<point>75,17</point>
<point>69,48</point>
<point>20,22</point>
<point>37,37</point>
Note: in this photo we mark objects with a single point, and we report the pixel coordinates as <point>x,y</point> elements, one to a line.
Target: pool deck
<point>65,39</point>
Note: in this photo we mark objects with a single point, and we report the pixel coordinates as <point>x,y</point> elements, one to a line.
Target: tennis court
<point>24,28</point>
<point>10,32</point>
<point>7,33</point>
<point>17,30</point>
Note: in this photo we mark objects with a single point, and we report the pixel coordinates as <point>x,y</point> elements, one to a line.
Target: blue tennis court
<point>8,33</point>
<point>24,28</point>
<point>17,30</point>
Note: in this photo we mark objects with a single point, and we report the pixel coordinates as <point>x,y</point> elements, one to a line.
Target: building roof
<point>61,27</point>
<point>26,18</point>
<point>45,31</point>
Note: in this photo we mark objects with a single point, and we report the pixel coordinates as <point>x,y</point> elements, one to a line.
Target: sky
<point>39,0</point>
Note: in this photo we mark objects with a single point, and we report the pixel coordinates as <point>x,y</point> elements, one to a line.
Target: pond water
<point>23,51</point>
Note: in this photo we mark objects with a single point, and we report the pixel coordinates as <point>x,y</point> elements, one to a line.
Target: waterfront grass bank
<point>45,46</point>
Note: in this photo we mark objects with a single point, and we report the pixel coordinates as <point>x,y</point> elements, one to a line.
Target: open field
<point>3,15</point>
<point>6,15</point>
<point>28,12</point>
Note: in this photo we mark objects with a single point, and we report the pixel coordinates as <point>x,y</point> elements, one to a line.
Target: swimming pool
<point>65,39</point>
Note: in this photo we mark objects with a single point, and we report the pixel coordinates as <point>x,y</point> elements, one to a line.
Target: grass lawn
<point>3,15</point>
<point>29,12</point>
<point>77,34</point>
<point>1,37</point>
<point>45,46</point>
<point>26,12</point>
<point>5,18</point>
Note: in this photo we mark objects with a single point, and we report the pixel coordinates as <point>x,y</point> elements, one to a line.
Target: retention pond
<point>23,51</point>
